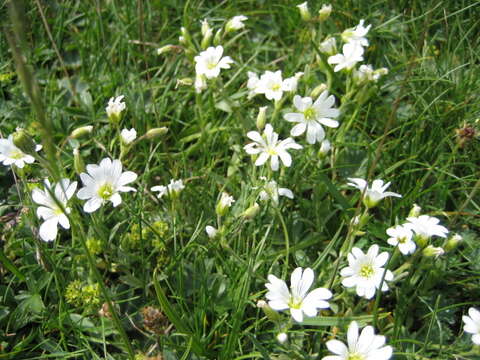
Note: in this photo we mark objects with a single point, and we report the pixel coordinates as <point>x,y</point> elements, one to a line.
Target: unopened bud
<point>324,12</point>
<point>415,211</point>
<point>207,39</point>
<point>211,231</point>
<point>23,141</point>
<point>81,132</point>
<point>453,242</point>
<point>304,12</point>
<point>165,49</point>
<point>432,251</point>
<point>251,212</point>
<point>205,27</point>
<point>282,337</point>
<point>156,132</point>
<point>268,311</point>
<point>217,40</point>
<point>318,90</point>
<point>324,148</point>
<point>78,163</point>
<point>184,82</point>
<point>261,118</point>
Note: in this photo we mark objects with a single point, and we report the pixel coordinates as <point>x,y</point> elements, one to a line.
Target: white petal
<point>127,177</point>
<point>116,199</point>
<point>92,204</point>
<point>337,347</point>
<point>48,230</point>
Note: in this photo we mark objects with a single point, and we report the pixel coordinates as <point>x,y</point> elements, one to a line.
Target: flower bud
<point>251,212</point>
<point>224,203</point>
<point>268,311</point>
<point>235,23</point>
<point>156,132</point>
<point>207,38</point>
<point>23,141</point>
<point>205,27</point>
<point>81,132</point>
<point>211,231</point>
<point>324,12</point>
<point>304,12</point>
<point>184,82</point>
<point>282,337</point>
<point>165,49</point>
<point>415,211</point>
<point>78,163</point>
<point>261,117</point>
<point>325,147</point>
<point>453,242</point>
<point>318,90</point>
<point>432,251</point>
<point>200,83</point>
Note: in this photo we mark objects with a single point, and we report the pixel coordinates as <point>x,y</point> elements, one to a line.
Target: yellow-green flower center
<point>310,113</point>
<point>16,154</point>
<point>367,271</point>
<point>355,356</point>
<point>276,87</point>
<point>272,152</point>
<point>105,191</point>
<point>211,65</point>
<point>402,240</point>
<point>295,303</point>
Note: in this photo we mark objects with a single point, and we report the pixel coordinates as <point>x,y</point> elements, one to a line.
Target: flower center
<point>366,271</point>
<point>272,151</point>
<point>276,87</point>
<point>211,64</point>
<point>402,240</point>
<point>355,356</point>
<point>16,154</point>
<point>105,191</point>
<point>310,113</point>
<point>294,303</point>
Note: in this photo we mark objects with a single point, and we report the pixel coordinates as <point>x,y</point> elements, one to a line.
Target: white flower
<point>224,203</point>
<point>272,191</point>
<point>426,226</point>
<point>367,346</point>
<point>352,53</point>
<point>402,237</point>
<point>365,271</point>
<point>235,23</point>
<point>472,324</point>
<point>328,46</point>
<point>200,83</point>
<point>115,107</point>
<point>173,189</point>
<point>271,84</point>
<point>269,146</point>
<point>12,155</point>
<point>210,62</point>
<point>211,231</point>
<point>128,135</point>
<point>103,183</point>
<point>357,34</point>
<point>290,84</point>
<point>298,300</point>
<point>52,199</point>
<point>312,116</point>
<point>366,73</point>
<point>373,194</point>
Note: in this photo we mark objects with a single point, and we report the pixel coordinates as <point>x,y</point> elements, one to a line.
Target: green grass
<point>154,252</point>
